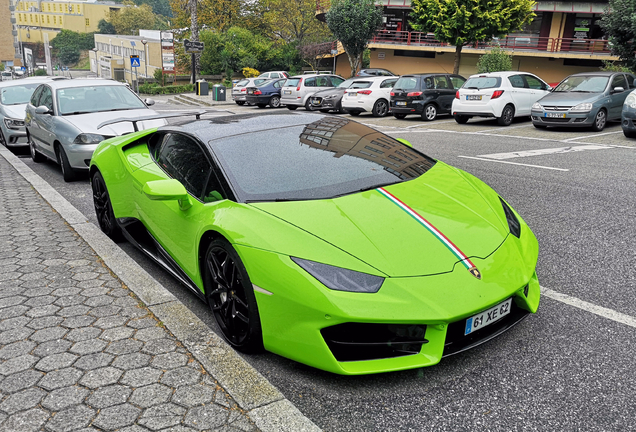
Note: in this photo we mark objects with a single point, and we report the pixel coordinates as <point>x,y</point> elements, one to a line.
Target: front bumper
<point>323,104</point>
<point>79,155</point>
<point>15,137</point>
<point>298,316</point>
<point>628,119</point>
<point>583,119</point>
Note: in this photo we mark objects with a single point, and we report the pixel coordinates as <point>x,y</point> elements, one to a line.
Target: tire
<point>230,297</point>
<point>2,140</point>
<point>274,101</point>
<point>291,107</point>
<point>340,109</point>
<point>399,116</point>
<point>261,105</point>
<point>62,159</point>
<point>507,115</point>
<point>354,113</point>
<point>104,209</point>
<point>429,113</point>
<point>240,103</point>
<point>461,119</point>
<point>599,121</point>
<point>629,133</point>
<point>308,106</point>
<point>539,126</point>
<point>380,108</point>
<point>35,155</point>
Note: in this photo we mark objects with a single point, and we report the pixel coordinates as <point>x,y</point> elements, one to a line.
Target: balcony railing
<point>549,44</point>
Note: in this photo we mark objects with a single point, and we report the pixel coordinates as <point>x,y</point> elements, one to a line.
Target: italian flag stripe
<point>430,227</point>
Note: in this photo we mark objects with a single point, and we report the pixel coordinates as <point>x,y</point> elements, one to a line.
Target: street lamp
<point>144,41</point>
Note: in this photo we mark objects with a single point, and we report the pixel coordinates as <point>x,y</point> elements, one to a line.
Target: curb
<point>264,403</point>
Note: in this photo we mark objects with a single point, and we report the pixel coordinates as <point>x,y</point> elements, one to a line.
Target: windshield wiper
<point>581,91</point>
<point>473,88</point>
<point>79,112</point>
<point>120,109</point>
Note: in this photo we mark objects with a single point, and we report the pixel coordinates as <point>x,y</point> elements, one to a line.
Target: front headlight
<point>537,106</point>
<point>331,96</point>
<point>513,222</point>
<point>583,107</point>
<point>630,101</point>
<point>89,138</point>
<point>14,123</point>
<point>341,279</point>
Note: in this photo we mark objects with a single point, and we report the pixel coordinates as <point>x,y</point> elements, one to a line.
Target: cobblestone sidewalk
<point>78,350</point>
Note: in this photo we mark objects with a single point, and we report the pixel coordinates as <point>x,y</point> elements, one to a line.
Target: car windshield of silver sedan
<point>17,95</point>
<point>83,100</point>
<point>583,84</point>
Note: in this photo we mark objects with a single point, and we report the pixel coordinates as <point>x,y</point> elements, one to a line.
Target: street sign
<point>134,61</point>
<point>192,47</point>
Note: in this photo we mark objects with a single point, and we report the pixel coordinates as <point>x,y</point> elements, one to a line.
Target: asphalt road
<point>570,366</point>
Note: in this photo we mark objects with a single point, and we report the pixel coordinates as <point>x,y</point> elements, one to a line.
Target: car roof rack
<point>134,121</point>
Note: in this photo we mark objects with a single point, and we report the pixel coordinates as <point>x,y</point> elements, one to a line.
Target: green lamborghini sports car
<point>320,239</point>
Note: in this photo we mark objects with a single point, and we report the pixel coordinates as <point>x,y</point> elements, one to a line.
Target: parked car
<point>63,118</point>
<point>628,114</point>
<point>298,89</point>
<point>426,95</point>
<point>374,72</point>
<point>239,90</point>
<point>374,98</point>
<point>589,99</point>
<point>331,98</point>
<point>265,93</point>
<point>321,239</point>
<point>14,96</point>
<point>6,75</point>
<point>502,95</point>
<point>275,74</point>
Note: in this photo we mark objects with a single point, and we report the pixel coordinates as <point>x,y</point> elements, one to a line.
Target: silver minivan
<point>298,89</point>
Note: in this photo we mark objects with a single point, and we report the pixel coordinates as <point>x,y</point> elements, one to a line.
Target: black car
<point>374,72</point>
<point>426,95</point>
<point>331,98</point>
<point>266,93</point>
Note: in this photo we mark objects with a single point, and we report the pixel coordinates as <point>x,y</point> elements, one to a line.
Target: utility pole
<point>194,29</point>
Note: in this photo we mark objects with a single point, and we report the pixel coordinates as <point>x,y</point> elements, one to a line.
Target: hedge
<point>153,89</point>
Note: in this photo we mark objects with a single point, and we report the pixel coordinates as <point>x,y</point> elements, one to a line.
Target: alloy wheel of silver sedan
<point>599,121</point>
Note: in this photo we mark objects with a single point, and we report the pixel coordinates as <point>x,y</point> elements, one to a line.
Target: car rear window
<point>479,83</point>
<point>361,84</point>
<point>292,82</point>
<point>406,83</point>
<point>242,83</point>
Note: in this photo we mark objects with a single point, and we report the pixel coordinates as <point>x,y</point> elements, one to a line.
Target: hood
<point>327,92</point>
<point>15,111</point>
<point>375,229</point>
<point>569,98</point>
<point>87,123</point>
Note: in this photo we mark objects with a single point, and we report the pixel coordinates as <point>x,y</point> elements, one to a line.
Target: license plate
<point>487,317</point>
<point>353,94</point>
<point>555,115</point>
<point>287,92</point>
<point>315,102</point>
<point>400,103</point>
<point>473,97</point>
<point>250,92</point>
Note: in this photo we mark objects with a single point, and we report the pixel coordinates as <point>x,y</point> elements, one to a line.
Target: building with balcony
<point>9,53</point>
<point>564,38</point>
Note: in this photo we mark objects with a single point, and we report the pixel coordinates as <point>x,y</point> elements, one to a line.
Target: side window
<point>619,81</point>
<point>457,82</point>
<point>323,81</point>
<point>534,83</point>
<point>35,98</point>
<point>278,84</point>
<point>516,81</point>
<point>389,83</point>
<point>46,98</point>
<point>336,81</point>
<point>441,83</point>
<point>630,80</point>
<point>428,83</point>
<point>183,159</point>
<point>310,82</point>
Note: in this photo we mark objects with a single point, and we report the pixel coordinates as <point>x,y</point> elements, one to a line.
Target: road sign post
<point>193,47</point>
<point>134,63</point>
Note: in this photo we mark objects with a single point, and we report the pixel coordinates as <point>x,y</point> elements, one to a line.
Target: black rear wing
<point>134,121</point>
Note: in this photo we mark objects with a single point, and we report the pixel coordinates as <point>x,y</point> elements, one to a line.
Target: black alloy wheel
<point>35,155</point>
<point>62,159</point>
<point>104,209</point>
<point>429,113</point>
<point>274,101</point>
<point>230,296</point>
<point>507,115</point>
<point>599,121</point>
<point>461,119</point>
<point>380,108</point>
<point>308,105</point>
<point>399,116</point>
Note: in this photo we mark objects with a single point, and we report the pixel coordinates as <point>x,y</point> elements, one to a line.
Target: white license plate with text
<point>554,115</point>
<point>487,317</point>
<point>400,103</point>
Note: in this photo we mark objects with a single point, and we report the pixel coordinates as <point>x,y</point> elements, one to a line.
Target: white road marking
<point>589,307</point>
<point>513,163</point>
<point>591,136</point>
<point>504,128</point>
<point>546,151</point>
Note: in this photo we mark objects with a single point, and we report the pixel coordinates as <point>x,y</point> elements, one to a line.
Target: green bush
<point>154,89</point>
<point>496,60</point>
<point>40,72</point>
<point>159,77</point>
<point>609,66</point>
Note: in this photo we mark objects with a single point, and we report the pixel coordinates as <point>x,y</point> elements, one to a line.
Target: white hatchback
<point>502,95</point>
<point>374,98</point>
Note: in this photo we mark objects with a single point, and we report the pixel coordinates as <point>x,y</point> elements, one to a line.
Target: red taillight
<point>257,92</point>
<point>496,94</point>
<point>364,92</point>
<point>457,94</point>
<point>392,93</point>
<point>243,90</point>
<point>414,94</point>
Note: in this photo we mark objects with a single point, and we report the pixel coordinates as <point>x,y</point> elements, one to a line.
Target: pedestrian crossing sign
<point>134,61</point>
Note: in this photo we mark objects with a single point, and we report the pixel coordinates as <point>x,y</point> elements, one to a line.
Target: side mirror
<point>42,110</point>
<point>618,90</point>
<point>405,142</point>
<point>549,88</point>
<point>149,102</point>
<point>168,190</point>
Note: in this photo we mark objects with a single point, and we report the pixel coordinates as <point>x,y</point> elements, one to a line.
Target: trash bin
<point>202,88</point>
<point>218,92</point>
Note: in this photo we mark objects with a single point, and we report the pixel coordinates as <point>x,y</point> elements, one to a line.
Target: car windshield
<point>481,82</point>
<point>583,84</point>
<point>328,158</point>
<point>406,83</point>
<point>80,100</point>
<point>17,95</point>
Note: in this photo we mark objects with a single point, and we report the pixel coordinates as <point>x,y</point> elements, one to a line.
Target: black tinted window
<point>388,83</point>
<point>406,83</point>
<point>619,81</point>
<point>182,158</point>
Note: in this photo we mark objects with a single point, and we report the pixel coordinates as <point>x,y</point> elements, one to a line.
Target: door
<point>43,125</point>
<point>537,88</point>
<point>445,91</point>
<point>521,96</point>
<point>617,98</point>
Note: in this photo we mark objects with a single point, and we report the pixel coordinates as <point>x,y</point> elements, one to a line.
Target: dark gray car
<point>331,99</point>
<point>628,116</point>
<point>588,99</point>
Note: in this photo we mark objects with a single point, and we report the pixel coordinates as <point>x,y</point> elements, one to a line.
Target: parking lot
<point>569,367</point>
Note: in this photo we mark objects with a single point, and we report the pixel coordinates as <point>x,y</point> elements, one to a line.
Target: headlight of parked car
<point>583,107</point>
<point>341,279</point>
<point>89,138</point>
<point>333,96</point>
<point>14,123</point>
<point>537,106</point>
<point>631,100</point>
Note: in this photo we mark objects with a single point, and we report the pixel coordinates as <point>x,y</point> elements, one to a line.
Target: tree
<point>128,20</point>
<point>494,61</point>
<point>294,21</point>
<point>67,45</point>
<point>353,23</point>
<point>464,22</point>
<point>233,50</point>
<point>620,28</point>
<point>104,27</point>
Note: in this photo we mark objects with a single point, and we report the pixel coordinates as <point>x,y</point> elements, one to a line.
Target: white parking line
<point>590,307</point>
<point>514,163</point>
<point>502,129</point>
<point>591,136</point>
<point>546,151</point>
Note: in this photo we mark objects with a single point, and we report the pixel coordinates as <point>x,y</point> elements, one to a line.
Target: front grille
<point>556,108</point>
<point>457,342</point>
<point>366,341</point>
<point>556,120</point>
<point>316,101</point>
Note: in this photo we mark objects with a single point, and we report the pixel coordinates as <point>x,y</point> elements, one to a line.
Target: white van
<point>7,75</point>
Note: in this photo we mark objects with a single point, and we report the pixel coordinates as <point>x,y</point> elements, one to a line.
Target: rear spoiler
<point>134,121</point>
